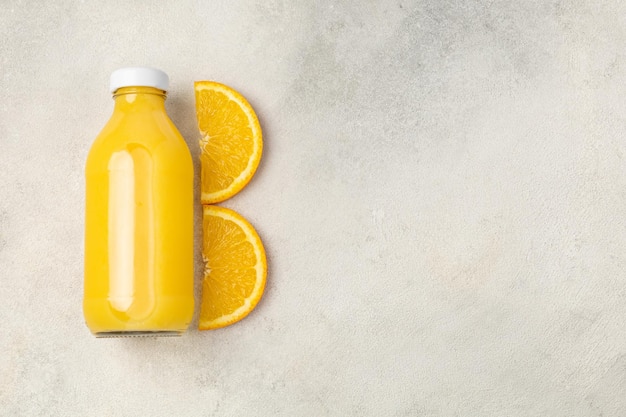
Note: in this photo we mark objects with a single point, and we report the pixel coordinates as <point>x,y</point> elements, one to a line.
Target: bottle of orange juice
<point>139,215</point>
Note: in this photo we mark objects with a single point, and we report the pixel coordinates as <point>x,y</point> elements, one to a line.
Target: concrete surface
<point>442,197</point>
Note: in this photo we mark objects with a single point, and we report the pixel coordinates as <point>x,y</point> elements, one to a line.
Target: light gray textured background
<point>442,198</point>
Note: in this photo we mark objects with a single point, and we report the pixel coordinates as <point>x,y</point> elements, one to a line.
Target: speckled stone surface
<point>442,198</point>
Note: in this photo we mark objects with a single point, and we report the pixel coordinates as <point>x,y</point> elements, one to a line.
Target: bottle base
<point>157,333</point>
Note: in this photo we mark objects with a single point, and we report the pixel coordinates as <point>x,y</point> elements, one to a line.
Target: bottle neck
<point>139,99</point>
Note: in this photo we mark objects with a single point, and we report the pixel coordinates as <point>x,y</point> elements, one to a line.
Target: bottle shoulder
<point>153,133</point>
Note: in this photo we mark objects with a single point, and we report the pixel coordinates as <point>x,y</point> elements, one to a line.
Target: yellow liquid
<point>139,221</point>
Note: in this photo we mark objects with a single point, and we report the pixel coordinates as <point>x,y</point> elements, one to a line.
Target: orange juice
<point>139,215</point>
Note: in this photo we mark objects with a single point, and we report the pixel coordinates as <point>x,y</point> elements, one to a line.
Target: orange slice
<point>231,144</point>
<point>235,268</point>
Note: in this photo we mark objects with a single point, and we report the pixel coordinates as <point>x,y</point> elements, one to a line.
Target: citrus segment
<point>231,143</point>
<point>235,268</point>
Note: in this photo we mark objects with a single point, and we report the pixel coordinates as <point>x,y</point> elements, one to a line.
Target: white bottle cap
<point>139,77</point>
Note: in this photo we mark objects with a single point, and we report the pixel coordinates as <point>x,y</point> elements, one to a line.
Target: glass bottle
<point>139,215</point>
